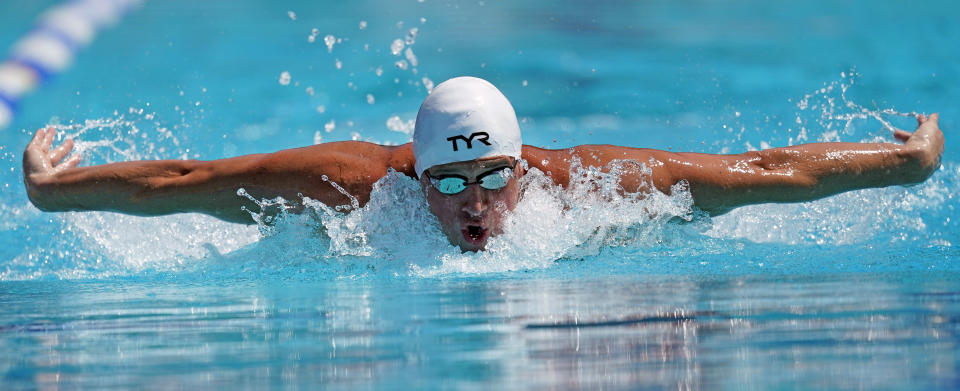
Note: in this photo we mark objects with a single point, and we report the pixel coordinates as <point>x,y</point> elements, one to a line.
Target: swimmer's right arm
<point>55,182</point>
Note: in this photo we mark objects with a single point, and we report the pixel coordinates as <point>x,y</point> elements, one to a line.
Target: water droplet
<point>524,83</point>
<point>310,91</point>
<point>396,124</point>
<point>329,40</point>
<point>410,56</point>
<point>396,47</point>
<point>317,137</point>
<point>428,84</point>
<point>313,35</point>
<point>328,127</point>
<point>423,20</point>
<point>379,71</point>
<point>370,99</point>
<point>337,63</point>
<point>284,78</point>
<point>402,64</point>
<point>363,24</point>
<point>412,36</point>
<point>321,109</point>
<point>292,15</point>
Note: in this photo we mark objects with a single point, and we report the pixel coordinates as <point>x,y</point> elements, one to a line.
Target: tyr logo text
<point>480,136</point>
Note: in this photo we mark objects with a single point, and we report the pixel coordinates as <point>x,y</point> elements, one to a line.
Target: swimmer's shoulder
<point>557,162</point>
<point>357,157</point>
<point>379,157</point>
<point>553,162</point>
<point>539,156</point>
<point>401,159</point>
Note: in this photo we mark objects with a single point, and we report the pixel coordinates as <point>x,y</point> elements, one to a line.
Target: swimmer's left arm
<point>799,173</point>
<point>807,172</point>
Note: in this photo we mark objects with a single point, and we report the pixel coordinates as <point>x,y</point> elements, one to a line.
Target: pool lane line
<point>50,47</point>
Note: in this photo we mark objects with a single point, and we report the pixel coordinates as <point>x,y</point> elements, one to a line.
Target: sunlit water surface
<point>585,289</point>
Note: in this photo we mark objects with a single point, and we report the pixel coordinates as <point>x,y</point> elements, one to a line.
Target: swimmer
<point>467,154</point>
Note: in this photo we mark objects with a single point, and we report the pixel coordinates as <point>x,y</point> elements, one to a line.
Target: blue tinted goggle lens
<point>493,180</point>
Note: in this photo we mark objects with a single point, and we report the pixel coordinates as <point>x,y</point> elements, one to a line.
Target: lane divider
<point>49,48</point>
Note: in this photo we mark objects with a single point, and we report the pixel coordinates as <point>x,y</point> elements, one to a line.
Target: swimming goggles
<point>495,179</point>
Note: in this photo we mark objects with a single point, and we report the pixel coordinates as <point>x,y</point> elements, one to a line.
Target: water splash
<point>81,245</point>
<point>835,114</point>
<point>593,214</point>
<point>549,223</point>
<point>901,211</point>
<point>831,115</point>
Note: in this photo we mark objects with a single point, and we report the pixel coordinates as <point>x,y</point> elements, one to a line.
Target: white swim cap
<point>464,118</point>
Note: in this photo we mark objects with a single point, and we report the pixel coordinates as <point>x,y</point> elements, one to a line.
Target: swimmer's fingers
<point>71,162</point>
<point>60,152</point>
<point>41,140</point>
<point>926,143</point>
<point>48,139</point>
<point>35,157</point>
<point>37,137</point>
<point>902,135</point>
<point>929,128</point>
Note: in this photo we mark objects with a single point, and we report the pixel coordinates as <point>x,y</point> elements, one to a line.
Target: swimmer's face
<point>470,217</point>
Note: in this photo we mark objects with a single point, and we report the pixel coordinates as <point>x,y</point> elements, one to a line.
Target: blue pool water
<point>852,292</point>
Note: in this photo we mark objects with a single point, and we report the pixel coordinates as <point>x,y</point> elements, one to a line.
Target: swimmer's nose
<point>474,204</point>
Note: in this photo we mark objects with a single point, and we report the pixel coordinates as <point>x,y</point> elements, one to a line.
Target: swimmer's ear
<point>423,183</point>
<point>521,167</point>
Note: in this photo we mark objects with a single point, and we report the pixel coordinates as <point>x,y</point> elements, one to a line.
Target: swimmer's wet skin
<point>466,129</point>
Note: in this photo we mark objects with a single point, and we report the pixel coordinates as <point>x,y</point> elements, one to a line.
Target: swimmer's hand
<point>40,164</point>
<point>925,144</point>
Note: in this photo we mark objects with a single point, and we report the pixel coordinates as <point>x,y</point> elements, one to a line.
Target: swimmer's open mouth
<point>475,234</point>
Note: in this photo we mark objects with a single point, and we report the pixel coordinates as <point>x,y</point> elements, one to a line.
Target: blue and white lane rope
<point>49,48</point>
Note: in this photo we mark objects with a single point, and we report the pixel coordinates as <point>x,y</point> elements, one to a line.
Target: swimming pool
<point>855,291</point>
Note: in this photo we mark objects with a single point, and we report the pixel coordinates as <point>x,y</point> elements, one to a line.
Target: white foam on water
<point>395,233</point>
<point>157,243</point>
<point>848,218</point>
<point>551,223</point>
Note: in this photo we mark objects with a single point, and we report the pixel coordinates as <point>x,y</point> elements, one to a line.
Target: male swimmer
<point>466,151</point>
